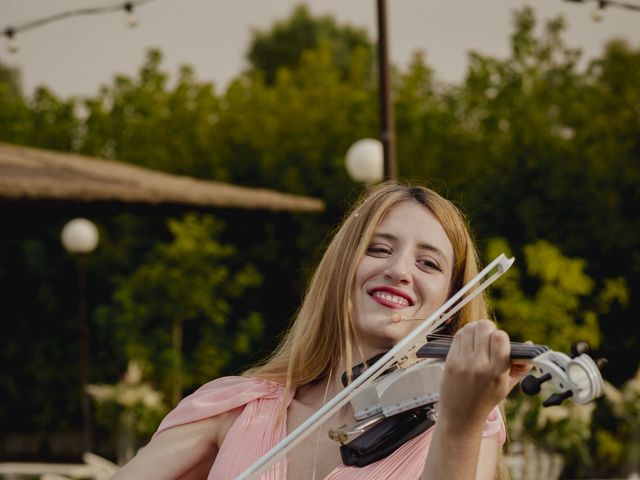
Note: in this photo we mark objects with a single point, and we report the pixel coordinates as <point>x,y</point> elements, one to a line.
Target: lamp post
<point>370,160</point>
<point>79,238</point>
<point>387,123</point>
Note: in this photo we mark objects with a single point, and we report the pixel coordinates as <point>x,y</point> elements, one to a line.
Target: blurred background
<point>204,145</point>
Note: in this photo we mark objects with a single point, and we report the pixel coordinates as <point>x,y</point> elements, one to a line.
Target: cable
<point>611,3</point>
<point>11,30</point>
<point>598,14</point>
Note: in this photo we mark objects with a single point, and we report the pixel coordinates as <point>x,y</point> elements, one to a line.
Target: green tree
<point>44,120</point>
<point>549,299</point>
<point>282,45</point>
<point>536,148</point>
<point>292,135</point>
<point>54,123</point>
<point>14,110</point>
<point>142,121</point>
<point>186,285</point>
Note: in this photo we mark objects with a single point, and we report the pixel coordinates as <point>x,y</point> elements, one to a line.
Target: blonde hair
<point>321,336</point>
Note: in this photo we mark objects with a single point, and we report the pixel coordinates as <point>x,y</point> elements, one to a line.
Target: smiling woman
<point>403,250</point>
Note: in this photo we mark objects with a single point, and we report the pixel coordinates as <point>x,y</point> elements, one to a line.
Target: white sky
<point>76,55</point>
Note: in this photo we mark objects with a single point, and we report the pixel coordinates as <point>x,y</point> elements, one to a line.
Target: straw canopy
<point>41,175</point>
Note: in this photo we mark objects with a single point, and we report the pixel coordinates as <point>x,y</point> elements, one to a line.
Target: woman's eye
<point>378,250</point>
<point>429,264</point>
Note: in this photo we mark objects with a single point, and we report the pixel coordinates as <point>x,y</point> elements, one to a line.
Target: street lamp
<point>79,238</point>
<point>364,161</point>
<point>375,160</point>
<point>387,122</point>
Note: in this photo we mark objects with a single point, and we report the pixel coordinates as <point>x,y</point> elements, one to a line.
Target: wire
<point>611,3</point>
<point>10,31</point>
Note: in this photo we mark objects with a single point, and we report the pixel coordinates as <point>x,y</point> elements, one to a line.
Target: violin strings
<point>440,336</point>
<point>397,319</point>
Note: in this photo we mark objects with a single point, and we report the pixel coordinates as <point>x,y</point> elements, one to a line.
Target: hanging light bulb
<point>598,14</point>
<point>132,20</point>
<point>12,44</point>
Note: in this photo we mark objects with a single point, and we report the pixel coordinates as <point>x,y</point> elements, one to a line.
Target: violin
<point>576,376</point>
<point>384,393</point>
<point>399,405</point>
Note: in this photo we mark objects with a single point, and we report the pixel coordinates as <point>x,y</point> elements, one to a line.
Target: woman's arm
<point>462,456</point>
<point>186,451</point>
<point>478,375</point>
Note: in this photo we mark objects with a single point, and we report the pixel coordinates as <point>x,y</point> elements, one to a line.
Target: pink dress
<point>257,430</point>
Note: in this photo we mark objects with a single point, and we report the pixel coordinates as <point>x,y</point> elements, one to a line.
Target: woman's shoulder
<point>220,397</point>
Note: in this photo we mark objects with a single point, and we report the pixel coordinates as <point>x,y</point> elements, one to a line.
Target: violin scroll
<point>577,376</point>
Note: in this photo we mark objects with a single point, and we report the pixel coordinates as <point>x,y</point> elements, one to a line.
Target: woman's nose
<point>397,271</point>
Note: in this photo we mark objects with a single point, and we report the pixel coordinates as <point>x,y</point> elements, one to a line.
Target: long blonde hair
<point>321,335</point>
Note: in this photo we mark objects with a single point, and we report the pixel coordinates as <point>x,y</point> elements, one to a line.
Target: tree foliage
<point>186,285</point>
<point>284,44</point>
<point>551,299</point>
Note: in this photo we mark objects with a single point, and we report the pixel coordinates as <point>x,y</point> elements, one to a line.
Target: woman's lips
<point>390,297</point>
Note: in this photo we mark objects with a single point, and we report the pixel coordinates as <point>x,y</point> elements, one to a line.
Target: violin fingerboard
<point>438,349</point>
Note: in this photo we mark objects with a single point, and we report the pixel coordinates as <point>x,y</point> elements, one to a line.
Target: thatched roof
<point>42,175</point>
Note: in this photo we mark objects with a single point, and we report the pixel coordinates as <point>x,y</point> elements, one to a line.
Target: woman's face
<point>406,270</point>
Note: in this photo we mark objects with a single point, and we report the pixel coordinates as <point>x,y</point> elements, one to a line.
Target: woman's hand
<point>478,375</point>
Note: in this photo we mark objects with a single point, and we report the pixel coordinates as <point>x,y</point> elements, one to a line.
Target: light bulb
<point>132,20</point>
<point>12,44</point>
<point>598,14</point>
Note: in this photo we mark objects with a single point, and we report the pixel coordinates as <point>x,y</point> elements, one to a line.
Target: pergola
<point>35,175</point>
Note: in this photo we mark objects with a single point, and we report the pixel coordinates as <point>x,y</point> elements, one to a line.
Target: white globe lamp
<point>365,161</point>
<point>79,236</point>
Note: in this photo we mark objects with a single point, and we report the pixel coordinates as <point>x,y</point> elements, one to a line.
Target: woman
<point>401,252</point>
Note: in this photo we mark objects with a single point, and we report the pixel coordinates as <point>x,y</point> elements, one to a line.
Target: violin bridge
<point>408,360</point>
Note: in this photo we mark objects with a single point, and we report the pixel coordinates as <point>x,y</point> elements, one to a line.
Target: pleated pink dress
<point>257,430</point>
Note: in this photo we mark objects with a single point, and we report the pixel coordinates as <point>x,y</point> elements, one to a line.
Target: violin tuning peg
<point>557,398</point>
<point>531,384</point>
<point>601,363</point>
<point>579,348</point>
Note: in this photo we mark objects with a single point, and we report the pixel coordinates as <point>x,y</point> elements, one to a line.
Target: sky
<point>75,56</point>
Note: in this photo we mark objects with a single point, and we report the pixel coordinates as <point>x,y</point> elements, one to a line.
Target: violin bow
<point>399,354</point>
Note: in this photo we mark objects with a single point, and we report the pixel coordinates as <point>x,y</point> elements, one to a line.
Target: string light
<point>132,20</point>
<point>598,14</point>
<point>12,44</point>
<point>11,31</point>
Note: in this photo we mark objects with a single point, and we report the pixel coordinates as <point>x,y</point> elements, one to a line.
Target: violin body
<point>400,390</point>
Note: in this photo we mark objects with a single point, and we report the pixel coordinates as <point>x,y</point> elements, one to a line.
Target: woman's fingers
<point>477,372</point>
<point>467,334</point>
<point>500,349</point>
<point>483,330</point>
